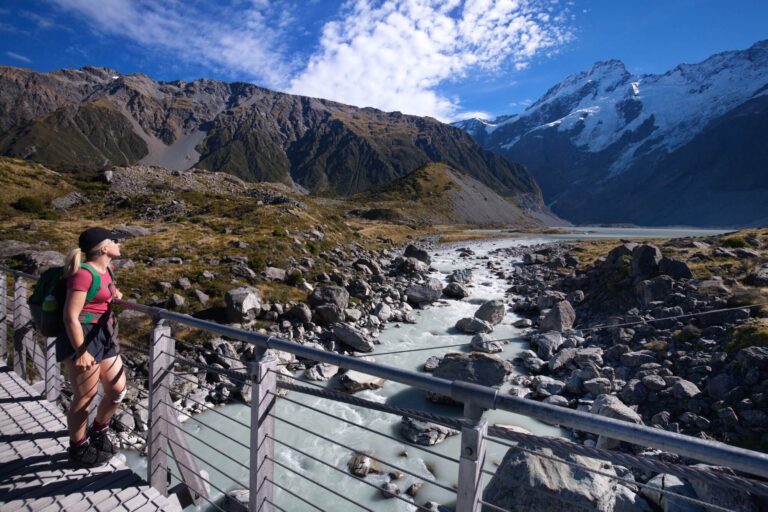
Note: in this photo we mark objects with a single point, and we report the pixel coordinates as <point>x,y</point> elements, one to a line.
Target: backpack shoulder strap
<point>95,284</point>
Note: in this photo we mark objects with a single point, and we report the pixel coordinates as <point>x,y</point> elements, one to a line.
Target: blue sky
<point>445,58</point>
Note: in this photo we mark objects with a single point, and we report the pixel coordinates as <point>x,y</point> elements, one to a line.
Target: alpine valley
<point>683,148</point>
<point>94,118</point>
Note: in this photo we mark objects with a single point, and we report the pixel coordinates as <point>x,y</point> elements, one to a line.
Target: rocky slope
<point>684,147</point>
<point>94,118</point>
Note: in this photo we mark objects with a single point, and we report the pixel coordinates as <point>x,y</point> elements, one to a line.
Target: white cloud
<point>394,55</point>
<point>241,39</point>
<point>18,56</point>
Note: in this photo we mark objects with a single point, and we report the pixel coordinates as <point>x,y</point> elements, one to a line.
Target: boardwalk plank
<point>35,474</point>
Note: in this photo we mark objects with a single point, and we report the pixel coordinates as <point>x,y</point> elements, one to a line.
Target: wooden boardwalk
<point>35,473</point>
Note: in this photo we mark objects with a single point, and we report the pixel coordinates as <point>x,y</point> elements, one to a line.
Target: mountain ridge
<point>585,133</point>
<point>99,117</point>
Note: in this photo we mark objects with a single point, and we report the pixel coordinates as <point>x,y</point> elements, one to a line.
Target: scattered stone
<point>484,343</point>
<point>427,293</point>
<point>243,304</point>
<point>491,312</point>
<point>473,326</point>
<point>455,291</point>
<point>424,433</point>
<point>353,381</point>
<point>560,318</point>
<point>361,464</point>
<point>352,337</point>
<point>411,251</point>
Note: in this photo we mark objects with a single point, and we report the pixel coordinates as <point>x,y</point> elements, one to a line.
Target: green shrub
<point>688,333</point>
<point>734,242</point>
<point>29,205</point>
<point>749,335</point>
<point>294,278</point>
<point>279,232</point>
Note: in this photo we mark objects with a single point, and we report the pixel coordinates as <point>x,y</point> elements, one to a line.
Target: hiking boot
<point>88,456</point>
<point>102,441</point>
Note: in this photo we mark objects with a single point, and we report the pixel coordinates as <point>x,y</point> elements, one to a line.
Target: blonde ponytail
<point>73,261</point>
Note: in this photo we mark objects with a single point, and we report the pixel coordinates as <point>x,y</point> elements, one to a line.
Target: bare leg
<point>113,380</point>
<point>84,386</point>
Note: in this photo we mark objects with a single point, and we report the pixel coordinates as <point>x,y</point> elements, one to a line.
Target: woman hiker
<point>88,346</point>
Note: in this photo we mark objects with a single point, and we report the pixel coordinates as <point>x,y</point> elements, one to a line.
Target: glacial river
<point>433,330</point>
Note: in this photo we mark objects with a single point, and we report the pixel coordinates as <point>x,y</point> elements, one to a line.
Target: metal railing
<point>167,442</point>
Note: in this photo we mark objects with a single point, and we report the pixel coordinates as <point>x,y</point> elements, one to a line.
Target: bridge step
<point>35,474</point>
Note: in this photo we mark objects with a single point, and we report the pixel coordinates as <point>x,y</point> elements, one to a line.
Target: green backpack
<point>49,295</point>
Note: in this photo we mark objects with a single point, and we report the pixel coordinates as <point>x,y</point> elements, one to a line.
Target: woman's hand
<point>85,361</point>
<point>118,294</point>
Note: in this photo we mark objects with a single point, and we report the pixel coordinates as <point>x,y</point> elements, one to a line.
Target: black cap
<point>92,237</point>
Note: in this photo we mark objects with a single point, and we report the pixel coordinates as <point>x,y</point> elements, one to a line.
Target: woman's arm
<point>72,308</point>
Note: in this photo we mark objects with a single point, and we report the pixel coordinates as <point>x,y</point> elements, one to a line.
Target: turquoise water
<point>432,331</point>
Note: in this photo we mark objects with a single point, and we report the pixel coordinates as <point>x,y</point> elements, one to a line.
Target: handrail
<point>706,451</point>
<point>474,396</point>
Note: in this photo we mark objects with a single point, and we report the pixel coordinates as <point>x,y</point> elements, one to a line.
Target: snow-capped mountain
<point>685,147</point>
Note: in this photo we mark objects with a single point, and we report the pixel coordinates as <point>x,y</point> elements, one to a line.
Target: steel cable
<point>223,493</point>
<point>344,472</point>
<point>202,404</point>
<point>293,494</point>
<point>209,465</point>
<point>211,428</point>
<point>193,436</point>
<point>368,429</point>
<point>357,450</point>
<point>368,404</point>
<point>324,487</point>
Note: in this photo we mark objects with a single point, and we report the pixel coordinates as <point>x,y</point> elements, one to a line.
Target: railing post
<point>263,393</point>
<point>472,460</point>
<point>52,374</point>
<point>3,318</point>
<point>22,327</point>
<point>160,365</point>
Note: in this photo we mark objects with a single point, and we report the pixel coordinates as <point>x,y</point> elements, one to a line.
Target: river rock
<point>547,344</point>
<point>523,323</point>
<point>475,367</point>
<point>560,318</point>
<point>321,372</point>
<point>431,363</point>
<point>722,495</point>
<point>610,406</point>
<point>645,261</point>
<point>597,386</point>
<point>426,293</point>
<point>667,502</point>
<point>455,291</point>
<point>236,500</point>
<point>361,464</point>
<point>559,486</point>
<point>461,276</point>
<point>423,432</point>
<point>685,389</point>
<point>299,313</point>
<point>484,343</point>
<point>243,304</point>
<point>352,337</point>
<point>328,314</point>
<point>330,294</point>
<point>411,251</point>
<point>562,359</point>
<point>676,269</point>
<point>491,312</point>
<point>353,381</point>
<point>546,386</point>
<point>656,289</point>
<point>473,326</point>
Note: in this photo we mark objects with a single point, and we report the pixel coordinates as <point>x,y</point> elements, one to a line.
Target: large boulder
<point>411,251</point>
<point>475,367</point>
<point>243,304</point>
<point>656,289</point>
<point>299,313</point>
<point>610,406</point>
<point>645,261</point>
<point>328,314</point>
<point>676,269</point>
<point>667,502</point>
<point>546,344</point>
<point>423,432</point>
<point>37,262</point>
<point>527,482</point>
<point>722,495</point>
<point>483,343</point>
<point>560,318</point>
<point>758,276</point>
<point>455,291</point>
<point>354,338</point>
<point>491,312</point>
<point>329,294</point>
<point>427,293</point>
<point>354,381</point>
<point>473,326</point>
<point>461,276</point>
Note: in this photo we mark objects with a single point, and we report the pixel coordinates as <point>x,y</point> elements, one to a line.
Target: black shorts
<point>100,339</point>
